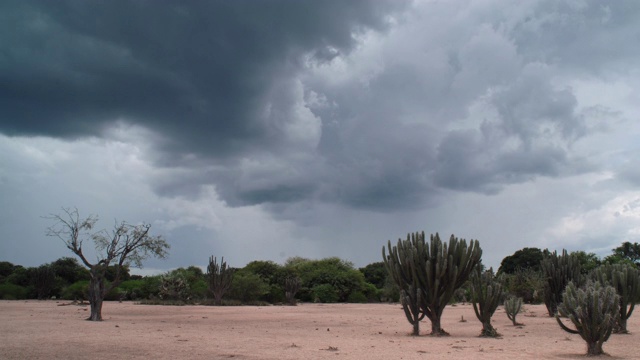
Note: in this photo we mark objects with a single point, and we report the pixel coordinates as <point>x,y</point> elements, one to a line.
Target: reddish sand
<point>54,330</point>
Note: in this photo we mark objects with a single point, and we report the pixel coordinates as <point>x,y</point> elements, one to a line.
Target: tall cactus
<point>559,270</point>
<point>442,269</point>
<point>429,274</point>
<point>626,280</point>
<point>486,295</point>
<point>593,312</point>
<point>512,307</point>
<point>399,264</point>
<point>220,277</point>
<point>291,287</point>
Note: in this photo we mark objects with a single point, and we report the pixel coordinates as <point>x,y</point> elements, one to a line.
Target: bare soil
<point>57,330</point>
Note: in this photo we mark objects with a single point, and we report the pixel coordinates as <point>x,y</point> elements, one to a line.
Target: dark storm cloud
<point>272,103</point>
<point>195,72</point>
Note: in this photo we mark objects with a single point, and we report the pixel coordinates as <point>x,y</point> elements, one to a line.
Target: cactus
<point>593,311</point>
<point>174,287</point>
<point>512,307</point>
<point>486,294</point>
<point>399,266</point>
<point>558,272</point>
<point>291,287</point>
<point>220,277</point>
<point>626,280</point>
<point>429,274</point>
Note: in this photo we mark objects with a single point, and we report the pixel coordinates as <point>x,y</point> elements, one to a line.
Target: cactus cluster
<point>625,279</point>
<point>593,311</point>
<point>399,264</point>
<point>559,270</point>
<point>428,274</point>
<point>486,295</point>
<point>291,287</point>
<point>220,277</point>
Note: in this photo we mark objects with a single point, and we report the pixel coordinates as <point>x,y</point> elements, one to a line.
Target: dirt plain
<point>57,330</point>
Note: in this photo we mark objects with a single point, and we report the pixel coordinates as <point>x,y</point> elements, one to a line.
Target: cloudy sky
<point>261,130</point>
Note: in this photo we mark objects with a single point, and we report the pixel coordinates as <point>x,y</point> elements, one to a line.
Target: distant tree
<point>338,273</point>
<point>43,279</point>
<point>588,261</point>
<point>625,253</point>
<point>527,258</point>
<point>126,244</point>
<point>6,269</point>
<point>376,274</point>
<point>69,270</point>
<point>247,287</point>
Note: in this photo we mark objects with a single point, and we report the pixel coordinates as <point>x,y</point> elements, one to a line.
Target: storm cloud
<point>303,114</point>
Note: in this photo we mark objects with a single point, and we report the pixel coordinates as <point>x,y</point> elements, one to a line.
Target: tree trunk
<point>96,296</point>
<point>594,348</point>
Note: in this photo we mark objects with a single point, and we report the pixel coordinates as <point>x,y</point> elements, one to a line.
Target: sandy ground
<point>47,330</point>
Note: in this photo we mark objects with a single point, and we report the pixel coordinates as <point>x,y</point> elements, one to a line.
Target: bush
<point>131,290</point>
<point>324,293</point>
<point>79,290</point>
<point>357,297</point>
<point>247,287</point>
<point>13,292</point>
<point>338,273</point>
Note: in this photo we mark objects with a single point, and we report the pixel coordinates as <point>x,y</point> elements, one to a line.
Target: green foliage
<point>625,279</point>
<point>247,287</point>
<point>376,274</point>
<point>592,311</point>
<point>69,270</point>
<point>131,289</point>
<point>174,286</point>
<point>76,291</point>
<point>358,298</point>
<point>526,284</point>
<point>486,296</point>
<point>6,269</point>
<point>340,274</point>
<point>588,261</point>
<point>523,259</point>
<point>43,280</point>
<point>9,291</point>
<point>558,271</point>
<point>20,276</point>
<point>629,252</point>
<point>512,306</point>
<point>324,293</point>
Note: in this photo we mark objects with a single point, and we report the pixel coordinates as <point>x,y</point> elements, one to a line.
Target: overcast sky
<point>261,130</point>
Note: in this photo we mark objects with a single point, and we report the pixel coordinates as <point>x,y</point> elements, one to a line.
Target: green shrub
<point>247,287</point>
<point>13,292</point>
<point>79,290</point>
<point>357,297</point>
<point>324,293</point>
<point>131,289</point>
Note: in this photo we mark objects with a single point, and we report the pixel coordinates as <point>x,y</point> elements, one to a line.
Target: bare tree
<point>125,245</point>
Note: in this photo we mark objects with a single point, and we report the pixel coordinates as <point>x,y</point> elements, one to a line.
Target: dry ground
<point>48,330</point>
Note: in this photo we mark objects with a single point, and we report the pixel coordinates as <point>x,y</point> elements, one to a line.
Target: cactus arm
<point>564,327</point>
